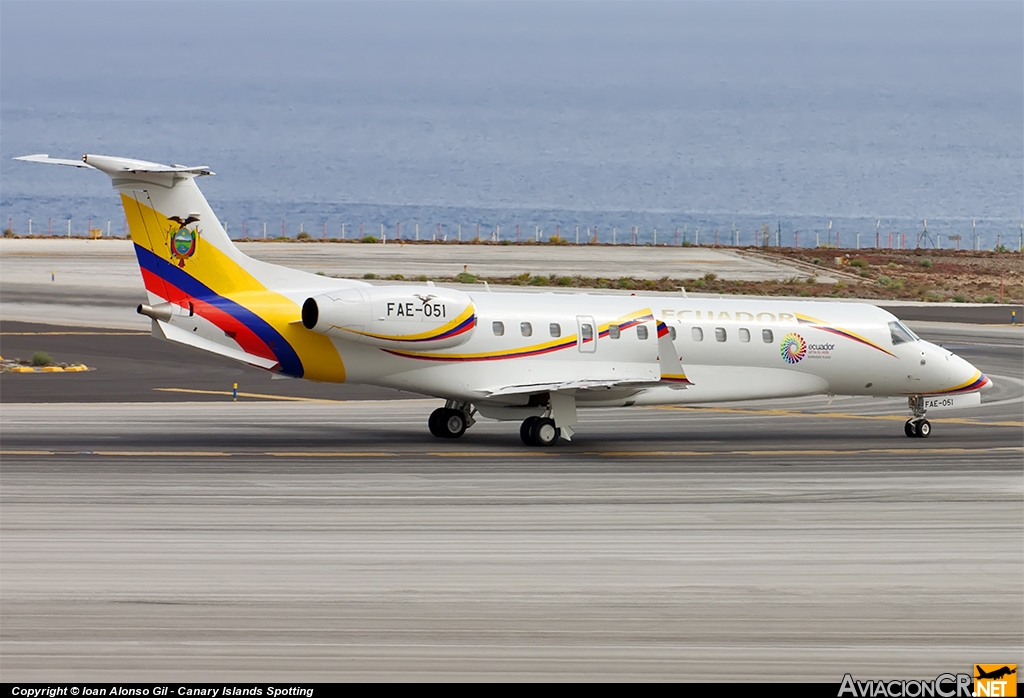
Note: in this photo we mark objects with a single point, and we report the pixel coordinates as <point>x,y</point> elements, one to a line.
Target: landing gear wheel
<point>543,432</point>
<point>447,423</point>
<point>922,429</point>
<point>434,422</point>
<point>908,429</point>
<point>524,430</point>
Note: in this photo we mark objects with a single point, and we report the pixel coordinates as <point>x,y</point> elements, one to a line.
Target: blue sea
<point>731,116</point>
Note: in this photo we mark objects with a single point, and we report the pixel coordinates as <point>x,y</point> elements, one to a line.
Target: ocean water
<point>725,116</point>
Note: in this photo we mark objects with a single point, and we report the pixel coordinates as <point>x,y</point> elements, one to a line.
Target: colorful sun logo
<point>793,348</point>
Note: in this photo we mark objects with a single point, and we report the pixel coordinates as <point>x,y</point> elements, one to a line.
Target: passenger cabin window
<point>744,334</point>
<point>526,329</point>
<point>720,334</point>
<point>586,331</point>
<point>555,330</point>
<point>900,333</point>
<point>672,333</point>
<point>767,336</point>
<point>498,327</point>
<point>697,333</point>
<point>641,332</point>
<point>613,331</point>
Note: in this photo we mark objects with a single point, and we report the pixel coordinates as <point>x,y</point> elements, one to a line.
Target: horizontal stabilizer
<point>114,165</point>
<point>46,159</point>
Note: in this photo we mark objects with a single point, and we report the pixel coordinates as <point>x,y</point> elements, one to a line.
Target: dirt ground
<point>918,275</point>
<point>922,275</point>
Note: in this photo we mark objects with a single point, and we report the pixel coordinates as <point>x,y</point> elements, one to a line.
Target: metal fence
<point>677,236</point>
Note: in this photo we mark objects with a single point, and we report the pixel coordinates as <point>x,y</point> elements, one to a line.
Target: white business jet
<point>532,358</point>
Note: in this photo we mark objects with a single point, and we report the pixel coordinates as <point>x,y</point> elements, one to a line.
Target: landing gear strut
<point>452,420</point>
<point>917,426</point>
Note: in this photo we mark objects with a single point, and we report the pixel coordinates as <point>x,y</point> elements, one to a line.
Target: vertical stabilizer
<point>202,289</point>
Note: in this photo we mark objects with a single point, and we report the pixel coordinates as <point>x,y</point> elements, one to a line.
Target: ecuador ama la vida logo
<point>183,241</point>
<point>793,348</point>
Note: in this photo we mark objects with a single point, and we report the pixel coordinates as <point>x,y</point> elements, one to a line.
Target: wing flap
<point>578,384</point>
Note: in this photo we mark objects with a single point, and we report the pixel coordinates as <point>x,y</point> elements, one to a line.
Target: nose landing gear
<point>917,426</point>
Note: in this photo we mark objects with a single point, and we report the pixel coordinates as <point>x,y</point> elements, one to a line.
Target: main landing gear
<point>917,426</point>
<point>556,421</point>
<point>452,420</point>
<point>539,431</point>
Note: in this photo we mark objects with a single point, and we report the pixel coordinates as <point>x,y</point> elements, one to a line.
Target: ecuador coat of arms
<point>183,241</point>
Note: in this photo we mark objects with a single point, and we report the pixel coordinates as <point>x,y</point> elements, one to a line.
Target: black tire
<point>524,430</point>
<point>908,429</point>
<point>452,424</point>
<point>434,422</point>
<point>923,429</point>
<point>544,432</point>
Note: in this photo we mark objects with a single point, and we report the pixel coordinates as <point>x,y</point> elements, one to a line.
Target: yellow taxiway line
<point>261,396</point>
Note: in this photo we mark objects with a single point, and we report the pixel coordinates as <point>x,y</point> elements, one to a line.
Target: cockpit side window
<point>900,333</point>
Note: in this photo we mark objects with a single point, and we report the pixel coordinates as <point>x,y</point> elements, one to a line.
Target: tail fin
<point>219,298</point>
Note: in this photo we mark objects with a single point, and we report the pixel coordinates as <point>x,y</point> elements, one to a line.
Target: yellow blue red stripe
<point>852,336</point>
<point>522,352</point>
<point>254,334</point>
<point>627,321</point>
<point>977,382</point>
<point>463,323</point>
<point>223,292</point>
<point>630,320</point>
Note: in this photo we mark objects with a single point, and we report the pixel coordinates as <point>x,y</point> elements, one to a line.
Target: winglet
<point>668,360</point>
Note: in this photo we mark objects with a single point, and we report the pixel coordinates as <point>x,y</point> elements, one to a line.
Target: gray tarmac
<point>273,540</point>
<point>133,366</point>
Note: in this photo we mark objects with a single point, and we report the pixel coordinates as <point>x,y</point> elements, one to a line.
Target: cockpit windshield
<point>900,333</point>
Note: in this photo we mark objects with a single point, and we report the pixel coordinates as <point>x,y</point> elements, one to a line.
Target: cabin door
<point>586,335</point>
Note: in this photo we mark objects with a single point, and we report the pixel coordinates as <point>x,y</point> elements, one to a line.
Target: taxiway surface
<point>270,540</point>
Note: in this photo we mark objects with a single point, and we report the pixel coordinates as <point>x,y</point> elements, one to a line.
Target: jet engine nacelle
<point>393,317</point>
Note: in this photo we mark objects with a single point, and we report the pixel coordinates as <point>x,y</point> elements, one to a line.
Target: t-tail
<point>202,290</point>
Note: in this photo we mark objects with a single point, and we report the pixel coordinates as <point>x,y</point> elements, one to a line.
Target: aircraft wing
<point>668,370</point>
<point>578,384</point>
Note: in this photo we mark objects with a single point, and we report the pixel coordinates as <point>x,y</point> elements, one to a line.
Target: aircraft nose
<point>964,376</point>
<point>971,378</point>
